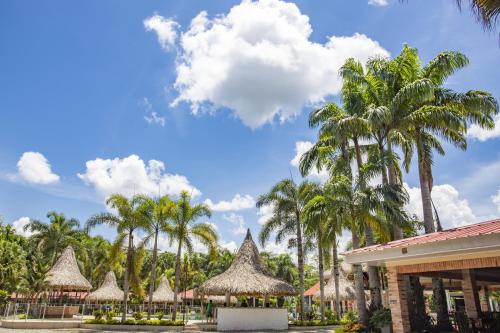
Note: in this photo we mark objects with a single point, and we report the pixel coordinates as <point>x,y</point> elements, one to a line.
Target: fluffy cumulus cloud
<point>496,200</point>
<point>19,225</point>
<point>258,60</point>
<point>300,148</point>
<point>165,29</point>
<point>237,222</point>
<point>378,2</point>
<point>34,168</point>
<point>131,175</point>
<point>482,134</point>
<point>238,202</point>
<point>453,209</point>
<point>265,213</point>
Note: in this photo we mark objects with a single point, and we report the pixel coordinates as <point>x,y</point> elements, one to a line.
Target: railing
<point>83,311</point>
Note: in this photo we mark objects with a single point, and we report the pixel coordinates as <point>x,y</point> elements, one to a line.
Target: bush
<point>353,327</point>
<point>152,322</point>
<point>98,314</point>
<point>110,315</point>
<point>315,322</point>
<point>159,315</point>
<point>350,317</point>
<point>139,315</point>
<point>381,318</point>
<point>4,297</point>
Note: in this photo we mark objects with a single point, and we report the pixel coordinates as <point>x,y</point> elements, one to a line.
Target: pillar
<point>471,296</point>
<point>228,300</point>
<point>398,301</point>
<point>484,299</point>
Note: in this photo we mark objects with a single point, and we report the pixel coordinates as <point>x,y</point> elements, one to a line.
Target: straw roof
<point>163,294</point>
<point>65,274</point>
<point>221,299</point>
<point>108,291</point>
<point>346,287</point>
<point>246,276</point>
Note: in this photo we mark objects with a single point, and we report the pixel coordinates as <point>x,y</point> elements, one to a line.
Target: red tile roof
<point>189,294</point>
<point>471,230</point>
<point>313,290</point>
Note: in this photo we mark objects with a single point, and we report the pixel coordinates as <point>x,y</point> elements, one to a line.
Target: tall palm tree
<point>158,212</point>
<point>184,228</point>
<point>288,200</point>
<point>127,220</point>
<point>53,237</point>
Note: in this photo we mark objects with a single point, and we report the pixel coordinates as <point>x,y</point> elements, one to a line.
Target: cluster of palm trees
<point>391,110</point>
<point>176,219</point>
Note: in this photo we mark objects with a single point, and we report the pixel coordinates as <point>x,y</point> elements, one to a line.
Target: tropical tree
<point>184,228</point>
<point>53,237</point>
<point>12,265</point>
<point>127,220</point>
<point>287,200</point>
<point>158,212</point>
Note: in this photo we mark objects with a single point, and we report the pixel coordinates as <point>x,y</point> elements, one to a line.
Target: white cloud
<point>238,222</point>
<point>453,210</point>
<point>151,116</point>
<point>265,213</point>
<point>231,245</point>
<point>300,148</point>
<point>34,168</point>
<point>165,29</point>
<point>258,61</point>
<point>482,134</point>
<point>131,175</point>
<point>239,202</point>
<point>19,226</point>
<point>496,200</point>
<point>378,2</point>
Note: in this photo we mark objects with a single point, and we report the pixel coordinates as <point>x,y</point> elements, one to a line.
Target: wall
<point>246,319</point>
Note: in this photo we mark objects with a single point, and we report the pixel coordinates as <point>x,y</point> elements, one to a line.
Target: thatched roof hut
<point>246,276</point>
<point>221,299</point>
<point>65,274</point>
<point>108,291</point>
<point>163,294</point>
<point>346,287</point>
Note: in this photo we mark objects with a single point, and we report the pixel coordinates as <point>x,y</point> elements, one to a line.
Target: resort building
<point>466,258</point>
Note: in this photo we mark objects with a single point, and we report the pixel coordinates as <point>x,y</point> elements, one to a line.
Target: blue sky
<point>91,92</point>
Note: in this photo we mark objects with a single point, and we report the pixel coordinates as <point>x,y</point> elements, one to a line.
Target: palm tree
<point>184,228</point>
<point>54,237</point>
<point>315,216</point>
<point>158,213</point>
<point>288,200</point>
<point>127,220</point>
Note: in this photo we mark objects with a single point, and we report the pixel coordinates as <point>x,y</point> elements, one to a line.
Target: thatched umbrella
<point>108,291</point>
<point>163,294</point>
<point>246,276</point>
<point>65,274</point>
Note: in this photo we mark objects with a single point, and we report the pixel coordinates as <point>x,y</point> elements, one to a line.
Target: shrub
<point>353,327</point>
<point>381,318</point>
<point>152,322</point>
<point>315,323</point>
<point>159,315</point>
<point>110,315</point>
<point>139,315</point>
<point>350,317</point>
<point>4,297</point>
<point>98,314</point>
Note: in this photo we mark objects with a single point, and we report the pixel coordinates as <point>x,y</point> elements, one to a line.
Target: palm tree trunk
<point>359,288</point>
<point>439,295</point>
<point>393,180</point>
<point>335,275</point>
<point>300,259</point>
<point>125,275</point>
<point>177,278</point>
<point>321,276</point>
<point>373,278</point>
<point>152,278</point>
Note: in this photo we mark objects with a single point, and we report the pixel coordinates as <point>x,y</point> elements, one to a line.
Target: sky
<point>212,97</point>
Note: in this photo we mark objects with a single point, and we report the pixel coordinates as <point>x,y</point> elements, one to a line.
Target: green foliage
<point>152,322</point>
<point>381,318</point>
<point>159,315</point>
<point>350,317</point>
<point>12,265</point>
<point>139,315</point>
<point>110,315</point>
<point>316,322</point>
<point>353,327</point>
<point>98,314</point>
<point>4,297</point>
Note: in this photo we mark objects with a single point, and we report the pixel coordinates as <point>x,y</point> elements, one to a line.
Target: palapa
<point>163,294</point>
<point>346,287</point>
<point>65,274</point>
<point>246,276</point>
<point>108,291</point>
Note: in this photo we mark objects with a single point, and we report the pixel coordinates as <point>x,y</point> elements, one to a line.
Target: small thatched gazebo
<point>163,294</point>
<point>108,291</point>
<point>346,289</point>
<point>247,276</point>
<point>65,276</point>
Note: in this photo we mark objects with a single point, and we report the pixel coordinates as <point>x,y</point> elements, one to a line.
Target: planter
<point>57,311</point>
<point>131,328</point>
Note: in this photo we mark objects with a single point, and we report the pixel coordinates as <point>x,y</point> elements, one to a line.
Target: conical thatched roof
<point>163,294</point>
<point>65,274</point>
<point>246,276</point>
<point>346,287</point>
<point>108,291</point>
